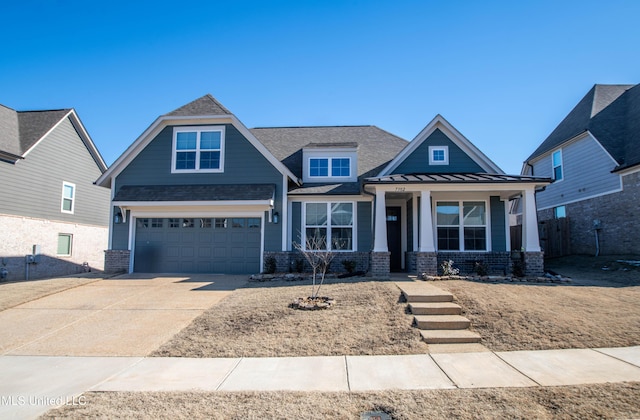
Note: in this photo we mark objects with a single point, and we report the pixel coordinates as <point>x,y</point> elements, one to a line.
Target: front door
<point>394,238</point>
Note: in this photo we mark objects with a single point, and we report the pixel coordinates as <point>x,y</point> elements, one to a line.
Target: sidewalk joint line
<point>614,357</point>
<point>240,359</point>
<point>443,371</point>
<point>92,387</point>
<point>346,369</point>
<point>517,370</point>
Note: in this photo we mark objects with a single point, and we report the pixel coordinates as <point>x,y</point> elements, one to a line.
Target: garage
<point>229,245</point>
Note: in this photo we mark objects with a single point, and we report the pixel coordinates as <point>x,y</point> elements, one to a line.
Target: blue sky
<point>504,73</point>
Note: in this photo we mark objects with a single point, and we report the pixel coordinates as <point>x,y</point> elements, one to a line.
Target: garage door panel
<point>187,245</point>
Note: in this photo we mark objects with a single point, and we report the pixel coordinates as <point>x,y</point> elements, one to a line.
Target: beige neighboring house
<point>53,219</point>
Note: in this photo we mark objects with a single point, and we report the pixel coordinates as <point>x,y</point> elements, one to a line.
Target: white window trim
<point>445,149</point>
<point>553,166</point>
<point>329,160</point>
<point>198,130</point>
<point>73,197</point>
<point>70,235</point>
<point>354,240</point>
<point>461,225</point>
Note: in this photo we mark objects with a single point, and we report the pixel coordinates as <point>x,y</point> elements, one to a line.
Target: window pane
<point>475,238</point>
<point>341,238</point>
<point>187,223</point>
<point>237,223</point>
<point>205,223</point>
<point>186,160</point>
<point>66,204</point>
<point>318,167</point>
<point>340,167</point>
<point>253,222</point>
<point>560,212</point>
<point>186,141</point>
<point>209,160</point>
<point>142,223</point>
<point>157,223</point>
<point>557,158</point>
<point>448,214</point>
<point>557,172</point>
<point>64,244</point>
<point>341,214</point>
<point>316,214</point>
<point>68,191</point>
<point>474,213</point>
<point>220,223</point>
<point>210,140</point>
<point>438,155</point>
<point>316,238</point>
<point>448,239</point>
<point>174,223</point>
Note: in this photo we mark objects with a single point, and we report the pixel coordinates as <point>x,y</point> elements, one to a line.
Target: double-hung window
<point>329,225</point>
<point>198,149</point>
<point>556,157</point>
<point>461,226</point>
<point>329,167</point>
<point>68,197</point>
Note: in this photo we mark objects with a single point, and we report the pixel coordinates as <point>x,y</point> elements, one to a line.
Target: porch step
<point>435,308</point>
<point>422,292</point>
<point>449,336</point>
<point>441,322</point>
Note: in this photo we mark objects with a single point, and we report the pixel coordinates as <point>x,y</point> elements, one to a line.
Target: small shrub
<point>270,264</point>
<point>448,269</point>
<point>349,266</point>
<point>518,268</point>
<point>480,269</point>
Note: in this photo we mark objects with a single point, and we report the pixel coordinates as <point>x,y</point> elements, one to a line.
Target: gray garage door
<point>197,245</point>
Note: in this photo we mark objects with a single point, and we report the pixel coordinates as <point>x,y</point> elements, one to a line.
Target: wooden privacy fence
<point>554,237</point>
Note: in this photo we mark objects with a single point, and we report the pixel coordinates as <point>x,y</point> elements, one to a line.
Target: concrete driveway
<point>129,315</point>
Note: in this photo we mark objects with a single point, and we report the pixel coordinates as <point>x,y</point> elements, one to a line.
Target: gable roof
<point>376,147</point>
<point>610,113</point>
<point>204,110</point>
<point>439,122</point>
<point>20,131</point>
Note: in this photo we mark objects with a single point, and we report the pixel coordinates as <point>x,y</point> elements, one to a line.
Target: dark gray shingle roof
<point>205,105</point>
<point>20,130</point>
<point>611,114</point>
<point>195,192</point>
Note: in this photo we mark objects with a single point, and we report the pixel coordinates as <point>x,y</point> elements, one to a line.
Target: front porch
<point>422,220</point>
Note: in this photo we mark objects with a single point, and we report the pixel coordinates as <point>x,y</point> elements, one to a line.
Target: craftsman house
<point>53,219</point>
<point>200,192</point>
<point>593,155</point>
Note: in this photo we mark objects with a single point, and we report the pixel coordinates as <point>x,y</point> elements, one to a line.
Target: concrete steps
<point>435,308</point>
<point>438,318</point>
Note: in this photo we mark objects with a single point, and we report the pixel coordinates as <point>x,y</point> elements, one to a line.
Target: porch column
<point>426,223</point>
<point>415,225</point>
<point>530,238</point>
<point>380,232</point>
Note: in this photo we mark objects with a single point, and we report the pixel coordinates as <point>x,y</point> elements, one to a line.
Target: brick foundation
<point>380,264</point>
<point>533,264</point>
<point>426,263</point>
<point>287,261</point>
<point>116,260</point>
<point>497,263</point>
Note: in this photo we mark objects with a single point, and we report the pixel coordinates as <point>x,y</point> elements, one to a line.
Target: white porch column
<point>426,223</point>
<point>530,238</point>
<point>380,232</point>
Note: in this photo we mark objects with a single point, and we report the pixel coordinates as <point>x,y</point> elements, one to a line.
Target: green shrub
<point>270,265</point>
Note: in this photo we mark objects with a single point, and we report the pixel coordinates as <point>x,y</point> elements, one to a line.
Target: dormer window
<point>330,162</point>
<point>438,155</point>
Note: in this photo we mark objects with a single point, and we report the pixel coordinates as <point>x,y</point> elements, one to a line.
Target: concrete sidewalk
<point>31,385</point>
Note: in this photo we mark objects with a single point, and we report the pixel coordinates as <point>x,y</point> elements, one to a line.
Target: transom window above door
<point>198,149</point>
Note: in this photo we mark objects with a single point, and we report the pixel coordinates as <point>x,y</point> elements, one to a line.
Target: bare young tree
<point>319,257</point>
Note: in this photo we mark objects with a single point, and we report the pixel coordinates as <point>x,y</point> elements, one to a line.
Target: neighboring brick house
<point>593,155</point>
<point>200,192</point>
<point>53,219</point>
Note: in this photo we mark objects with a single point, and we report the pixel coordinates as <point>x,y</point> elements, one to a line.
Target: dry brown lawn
<point>609,401</point>
<point>601,308</point>
<point>367,319</point>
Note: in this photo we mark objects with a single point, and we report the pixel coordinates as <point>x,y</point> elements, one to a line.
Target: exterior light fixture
<point>117,218</point>
<point>276,217</point>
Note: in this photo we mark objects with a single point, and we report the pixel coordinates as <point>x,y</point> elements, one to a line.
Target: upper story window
<point>438,155</point>
<point>68,197</point>
<point>329,167</point>
<point>198,149</point>
<point>556,157</point>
